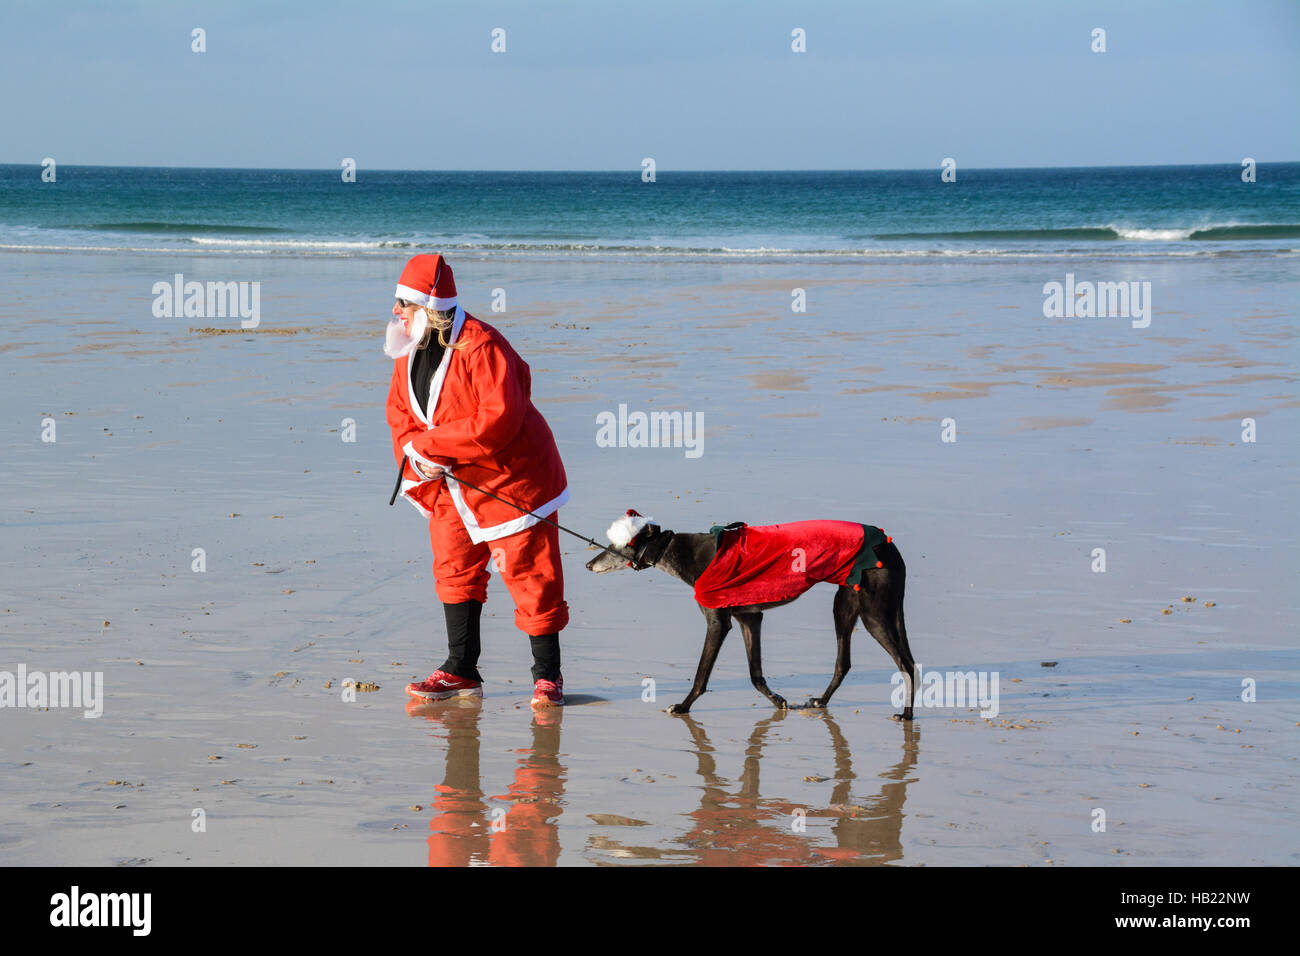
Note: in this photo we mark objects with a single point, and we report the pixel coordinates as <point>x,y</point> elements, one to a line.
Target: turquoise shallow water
<point>1121,211</point>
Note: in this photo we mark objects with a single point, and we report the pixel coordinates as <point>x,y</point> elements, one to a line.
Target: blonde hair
<point>442,321</point>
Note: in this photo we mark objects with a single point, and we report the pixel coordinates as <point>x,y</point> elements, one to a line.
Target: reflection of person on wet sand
<point>749,829</point>
<point>464,830</point>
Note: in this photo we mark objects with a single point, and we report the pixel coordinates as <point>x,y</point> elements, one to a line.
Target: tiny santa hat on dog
<point>624,531</point>
<point>428,282</point>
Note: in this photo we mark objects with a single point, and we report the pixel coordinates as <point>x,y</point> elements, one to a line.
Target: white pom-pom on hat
<point>626,528</point>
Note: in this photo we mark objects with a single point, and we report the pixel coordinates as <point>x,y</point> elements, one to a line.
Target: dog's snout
<point>604,562</point>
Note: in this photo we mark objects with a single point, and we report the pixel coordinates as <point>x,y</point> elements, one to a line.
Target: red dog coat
<point>781,561</point>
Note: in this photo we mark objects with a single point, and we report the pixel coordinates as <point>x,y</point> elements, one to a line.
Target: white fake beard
<point>397,343</point>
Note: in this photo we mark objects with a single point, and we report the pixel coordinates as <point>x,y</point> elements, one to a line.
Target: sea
<point>1166,211</point>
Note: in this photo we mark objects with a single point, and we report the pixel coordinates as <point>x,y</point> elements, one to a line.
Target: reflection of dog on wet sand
<point>739,572</point>
<point>736,825</point>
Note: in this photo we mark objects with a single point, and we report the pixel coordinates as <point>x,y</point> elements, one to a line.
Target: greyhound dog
<point>639,543</point>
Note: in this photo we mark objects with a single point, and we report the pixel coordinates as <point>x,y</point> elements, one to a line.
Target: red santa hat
<point>427,281</point>
<point>625,530</point>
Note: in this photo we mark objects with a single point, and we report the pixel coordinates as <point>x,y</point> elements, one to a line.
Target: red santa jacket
<point>482,427</point>
<point>781,561</point>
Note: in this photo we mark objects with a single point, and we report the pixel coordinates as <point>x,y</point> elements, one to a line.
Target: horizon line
<point>636,170</point>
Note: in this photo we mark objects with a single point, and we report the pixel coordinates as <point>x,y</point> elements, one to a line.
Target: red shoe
<point>549,693</point>
<point>440,685</point>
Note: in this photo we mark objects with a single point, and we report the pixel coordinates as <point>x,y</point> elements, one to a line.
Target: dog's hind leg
<point>846,612</point>
<point>719,625</point>
<point>881,606</point>
<point>751,623</point>
<point>908,665</point>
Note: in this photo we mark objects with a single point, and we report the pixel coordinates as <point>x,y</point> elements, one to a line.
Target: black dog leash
<point>401,470</point>
<point>638,556</point>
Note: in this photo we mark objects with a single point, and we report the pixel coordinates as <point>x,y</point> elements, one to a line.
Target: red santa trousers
<point>528,560</point>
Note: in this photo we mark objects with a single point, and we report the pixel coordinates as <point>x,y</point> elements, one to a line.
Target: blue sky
<point>698,85</point>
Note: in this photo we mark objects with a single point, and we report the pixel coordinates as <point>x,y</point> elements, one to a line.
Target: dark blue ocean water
<point>1168,210</point>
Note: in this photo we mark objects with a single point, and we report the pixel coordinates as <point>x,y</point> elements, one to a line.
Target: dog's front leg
<point>846,612</point>
<point>719,625</point>
<point>751,623</point>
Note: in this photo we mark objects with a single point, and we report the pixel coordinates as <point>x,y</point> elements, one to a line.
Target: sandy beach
<point>223,689</point>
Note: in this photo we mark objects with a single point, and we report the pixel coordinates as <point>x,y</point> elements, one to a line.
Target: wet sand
<point>1072,434</point>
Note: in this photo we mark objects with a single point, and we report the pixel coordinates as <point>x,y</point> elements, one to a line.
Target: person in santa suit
<point>460,406</point>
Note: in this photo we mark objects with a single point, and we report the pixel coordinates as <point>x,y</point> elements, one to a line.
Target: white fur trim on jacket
<point>407,485</point>
<point>492,532</point>
<point>411,453</point>
<point>439,376</point>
